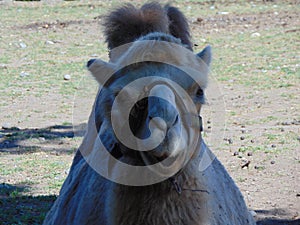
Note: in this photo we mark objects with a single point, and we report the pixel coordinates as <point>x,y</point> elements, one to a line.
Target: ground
<point>43,115</point>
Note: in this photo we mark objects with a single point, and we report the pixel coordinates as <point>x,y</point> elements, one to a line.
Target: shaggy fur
<point>128,23</point>
<point>178,26</point>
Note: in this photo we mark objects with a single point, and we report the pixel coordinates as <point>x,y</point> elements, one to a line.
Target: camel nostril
<point>90,62</point>
<point>162,157</point>
<point>176,120</point>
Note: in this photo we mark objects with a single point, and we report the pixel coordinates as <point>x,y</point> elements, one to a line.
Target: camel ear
<point>101,70</point>
<point>205,55</point>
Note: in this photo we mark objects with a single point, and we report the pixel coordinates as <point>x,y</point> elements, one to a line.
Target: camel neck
<point>159,203</point>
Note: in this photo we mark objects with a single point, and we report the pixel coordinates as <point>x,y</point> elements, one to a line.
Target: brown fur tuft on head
<point>128,23</point>
<point>178,25</point>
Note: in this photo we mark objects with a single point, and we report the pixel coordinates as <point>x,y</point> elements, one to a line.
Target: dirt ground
<point>270,183</point>
<point>260,147</point>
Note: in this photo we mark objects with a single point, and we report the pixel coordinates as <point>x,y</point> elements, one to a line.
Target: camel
<point>141,159</point>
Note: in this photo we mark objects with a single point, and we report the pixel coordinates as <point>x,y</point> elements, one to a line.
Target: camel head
<point>147,110</point>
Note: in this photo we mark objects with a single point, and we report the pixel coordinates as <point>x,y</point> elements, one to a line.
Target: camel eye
<point>199,93</point>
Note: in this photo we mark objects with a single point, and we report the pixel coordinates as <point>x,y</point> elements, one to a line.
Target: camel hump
<point>128,23</point>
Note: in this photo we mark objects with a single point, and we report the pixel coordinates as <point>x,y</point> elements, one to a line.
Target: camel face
<point>156,101</point>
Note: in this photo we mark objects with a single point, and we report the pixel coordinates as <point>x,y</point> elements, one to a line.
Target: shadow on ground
<point>269,221</point>
<point>19,209</point>
<point>20,141</point>
<point>268,217</point>
<point>17,205</point>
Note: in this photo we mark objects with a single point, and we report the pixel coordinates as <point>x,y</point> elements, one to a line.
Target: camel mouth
<point>171,152</point>
<point>150,158</point>
<point>163,160</point>
<point>134,157</point>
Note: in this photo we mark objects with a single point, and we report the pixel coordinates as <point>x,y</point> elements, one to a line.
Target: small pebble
<point>246,164</point>
<point>255,34</point>
<point>235,153</point>
<point>242,138</point>
<point>49,42</point>
<point>24,74</point>
<point>259,167</point>
<point>243,129</point>
<point>252,141</point>
<point>249,154</point>
<point>199,19</point>
<point>223,13</point>
<point>22,45</point>
<point>230,141</point>
<point>42,139</point>
<point>272,162</point>
<point>67,77</point>
<point>273,146</point>
<point>3,66</point>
